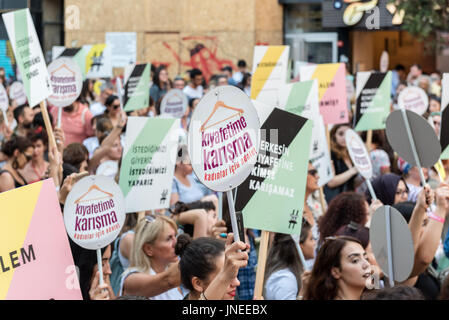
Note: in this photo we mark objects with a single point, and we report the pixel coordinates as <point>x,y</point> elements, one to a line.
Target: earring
<point>15,164</point>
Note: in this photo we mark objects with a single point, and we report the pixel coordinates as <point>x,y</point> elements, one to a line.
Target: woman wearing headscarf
<point>389,189</point>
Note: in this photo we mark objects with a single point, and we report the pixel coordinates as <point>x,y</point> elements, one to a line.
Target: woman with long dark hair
<point>284,267</point>
<point>18,152</point>
<point>345,171</point>
<point>344,208</point>
<point>161,83</point>
<point>341,271</point>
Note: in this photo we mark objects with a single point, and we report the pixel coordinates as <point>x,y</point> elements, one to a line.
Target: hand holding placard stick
<point>100,199</point>
<point>223,119</point>
<point>419,150</point>
<point>272,197</point>
<point>360,157</point>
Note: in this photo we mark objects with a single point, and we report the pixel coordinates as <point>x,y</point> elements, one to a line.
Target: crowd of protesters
<point>187,252</point>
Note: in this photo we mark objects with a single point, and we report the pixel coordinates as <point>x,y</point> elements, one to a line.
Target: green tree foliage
<point>423,18</point>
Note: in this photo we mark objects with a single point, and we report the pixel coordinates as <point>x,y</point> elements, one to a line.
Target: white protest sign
<point>358,153</point>
<point>4,100</point>
<point>66,80</point>
<point>360,157</point>
<point>98,61</point>
<point>319,155</point>
<point>223,138</point>
<point>174,103</point>
<point>270,65</point>
<point>94,212</point>
<point>28,54</point>
<point>301,98</point>
<point>414,99</point>
<point>148,162</point>
<point>4,103</point>
<point>17,92</point>
<point>123,48</point>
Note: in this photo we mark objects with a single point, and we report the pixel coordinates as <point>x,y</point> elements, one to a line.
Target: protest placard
<point>223,141</point>
<point>76,54</point>
<point>4,103</point>
<point>30,61</point>
<point>137,81</point>
<point>123,47</point>
<point>66,80</point>
<point>444,131</point>
<point>331,90</point>
<point>17,92</point>
<point>270,65</point>
<point>94,212</point>
<point>223,138</point>
<point>272,196</point>
<point>392,244</point>
<point>373,91</point>
<point>413,139</point>
<point>28,54</point>
<point>174,103</point>
<point>35,258</point>
<point>148,163</point>
<point>301,98</point>
<point>414,99</point>
<point>360,158</point>
<point>98,61</point>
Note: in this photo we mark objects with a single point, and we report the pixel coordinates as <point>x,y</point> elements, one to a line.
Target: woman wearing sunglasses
<point>113,109</point>
<point>18,152</point>
<point>341,271</point>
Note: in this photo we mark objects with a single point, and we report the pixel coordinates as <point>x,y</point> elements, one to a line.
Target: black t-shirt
<point>340,167</point>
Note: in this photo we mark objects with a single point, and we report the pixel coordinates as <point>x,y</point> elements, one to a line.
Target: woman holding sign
<point>209,267</point>
<point>153,271</point>
<point>345,171</point>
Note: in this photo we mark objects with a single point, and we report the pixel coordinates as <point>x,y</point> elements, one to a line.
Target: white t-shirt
<point>108,168</point>
<point>172,294</point>
<point>281,285</point>
<point>91,144</point>
<point>97,108</point>
<point>193,93</point>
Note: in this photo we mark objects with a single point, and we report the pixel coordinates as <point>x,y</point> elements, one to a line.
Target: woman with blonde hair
<point>153,271</point>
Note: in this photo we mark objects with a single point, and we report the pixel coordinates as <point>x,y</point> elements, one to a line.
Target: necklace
<point>39,175</point>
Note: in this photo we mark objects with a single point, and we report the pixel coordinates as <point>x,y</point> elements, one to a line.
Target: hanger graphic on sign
<point>220,104</point>
<point>92,187</point>
<point>64,66</point>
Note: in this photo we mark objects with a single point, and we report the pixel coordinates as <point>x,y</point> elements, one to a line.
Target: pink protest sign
<point>331,90</point>
<point>35,258</point>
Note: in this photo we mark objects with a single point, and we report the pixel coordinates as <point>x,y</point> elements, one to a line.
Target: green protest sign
<point>28,54</point>
<point>78,55</point>
<point>272,197</point>
<point>373,91</point>
<point>148,162</point>
<point>137,93</point>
